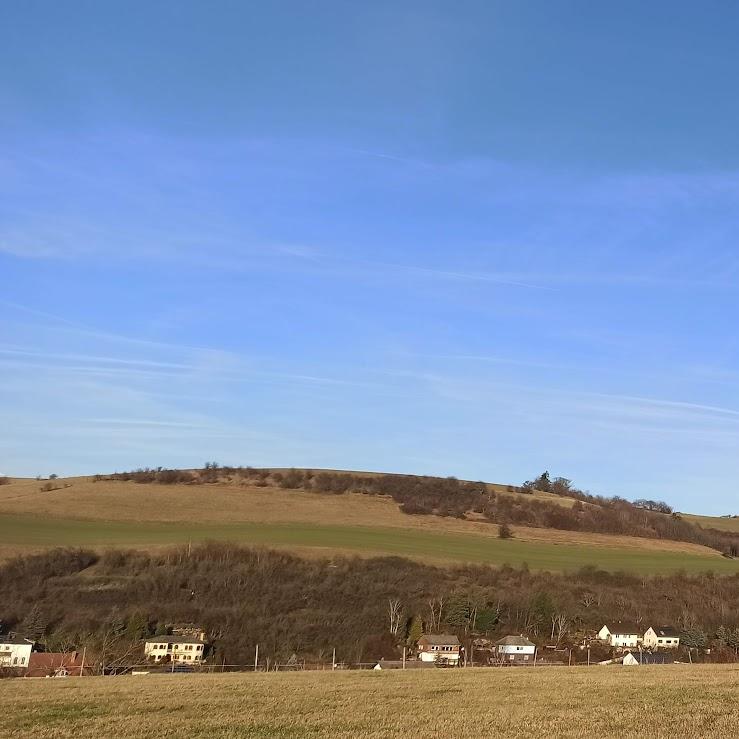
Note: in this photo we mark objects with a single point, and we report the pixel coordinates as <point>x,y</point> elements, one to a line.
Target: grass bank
<point>25,531</point>
<point>673,701</point>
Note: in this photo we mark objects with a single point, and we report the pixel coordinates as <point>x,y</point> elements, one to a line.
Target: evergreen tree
<point>415,630</point>
<point>34,624</point>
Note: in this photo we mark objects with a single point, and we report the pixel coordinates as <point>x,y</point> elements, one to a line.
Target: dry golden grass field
<point>127,514</point>
<point>666,701</point>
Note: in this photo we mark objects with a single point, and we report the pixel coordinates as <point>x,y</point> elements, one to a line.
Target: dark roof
<point>440,640</point>
<point>623,627</point>
<point>514,641</point>
<point>653,658</point>
<point>173,640</point>
<point>15,640</point>
<point>668,631</point>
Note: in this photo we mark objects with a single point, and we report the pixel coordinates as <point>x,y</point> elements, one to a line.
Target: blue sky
<point>481,239</point>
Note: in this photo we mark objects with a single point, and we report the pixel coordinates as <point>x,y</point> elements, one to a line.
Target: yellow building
<point>174,649</point>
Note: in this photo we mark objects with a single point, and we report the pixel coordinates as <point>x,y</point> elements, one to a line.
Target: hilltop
<point>439,520</point>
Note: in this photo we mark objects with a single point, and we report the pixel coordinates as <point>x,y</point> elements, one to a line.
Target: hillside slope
<point>81,511</point>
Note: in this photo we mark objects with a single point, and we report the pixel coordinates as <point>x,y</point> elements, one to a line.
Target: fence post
<point>256,657</point>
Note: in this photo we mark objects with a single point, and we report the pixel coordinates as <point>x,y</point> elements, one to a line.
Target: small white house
<point>439,648</point>
<point>175,648</point>
<point>662,637</point>
<point>15,651</point>
<point>619,634</point>
<point>515,650</point>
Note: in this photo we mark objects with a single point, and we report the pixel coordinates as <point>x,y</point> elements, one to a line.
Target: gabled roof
<point>440,640</point>
<point>173,640</point>
<point>41,664</point>
<point>623,628</point>
<point>650,658</point>
<point>514,641</point>
<point>667,631</point>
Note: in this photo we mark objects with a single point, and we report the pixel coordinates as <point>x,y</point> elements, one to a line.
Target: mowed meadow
<point>81,512</point>
<point>660,701</point>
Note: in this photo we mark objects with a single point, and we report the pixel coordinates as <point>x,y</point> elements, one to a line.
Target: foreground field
<point>675,701</point>
<point>120,514</point>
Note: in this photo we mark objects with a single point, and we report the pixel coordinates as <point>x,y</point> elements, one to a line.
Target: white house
<point>619,634</point>
<point>515,649</point>
<point>661,637</point>
<point>15,651</point>
<point>175,648</point>
<point>439,648</point>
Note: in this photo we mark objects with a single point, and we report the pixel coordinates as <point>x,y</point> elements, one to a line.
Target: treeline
<point>364,608</point>
<point>448,496</point>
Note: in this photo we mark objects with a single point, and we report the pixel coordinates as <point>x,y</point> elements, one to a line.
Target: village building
<point>15,651</point>
<point>620,634</point>
<point>438,648</point>
<point>515,649</point>
<point>174,649</point>
<point>55,664</point>
<point>662,637</point>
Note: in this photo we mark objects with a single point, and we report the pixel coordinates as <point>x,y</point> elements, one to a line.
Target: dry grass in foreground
<point>674,701</point>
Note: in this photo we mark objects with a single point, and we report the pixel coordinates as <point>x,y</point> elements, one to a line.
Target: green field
<point>714,522</point>
<point>33,531</point>
<point>661,701</point>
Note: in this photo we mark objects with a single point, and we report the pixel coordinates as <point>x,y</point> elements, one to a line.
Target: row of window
<point>435,648</point>
<point>180,647</point>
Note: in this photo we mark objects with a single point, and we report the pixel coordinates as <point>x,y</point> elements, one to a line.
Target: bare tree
<point>395,613</point>
<point>560,624</point>
<point>587,599</point>
<point>436,608</point>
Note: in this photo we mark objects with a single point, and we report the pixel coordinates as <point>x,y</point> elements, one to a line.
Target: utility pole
<point>588,656</point>
<point>256,657</point>
<point>82,667</point>
<point>333,660</point>
<point>404,658</point>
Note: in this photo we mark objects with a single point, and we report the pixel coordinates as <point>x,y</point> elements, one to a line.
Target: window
<point>526,656</point>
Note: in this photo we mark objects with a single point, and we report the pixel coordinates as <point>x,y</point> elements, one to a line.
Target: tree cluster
<point>364,608</point>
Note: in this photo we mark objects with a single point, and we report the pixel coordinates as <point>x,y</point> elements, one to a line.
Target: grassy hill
<point>112,513</point>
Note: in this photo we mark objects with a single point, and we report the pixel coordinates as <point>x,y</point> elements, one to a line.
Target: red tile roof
<point>43,664</point>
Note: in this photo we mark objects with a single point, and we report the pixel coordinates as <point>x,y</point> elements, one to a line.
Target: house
<point>666,637</point>
<point>55,664</point>
<point>174,648</point>
<point>515,650</point>
<point>439,647</point>
<point>620,634</point>
<point>15,651</point>
<point>647,658</point>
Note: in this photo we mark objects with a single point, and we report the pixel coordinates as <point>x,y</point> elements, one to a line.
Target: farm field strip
<point>673,701</point>
<point>35,531</point>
